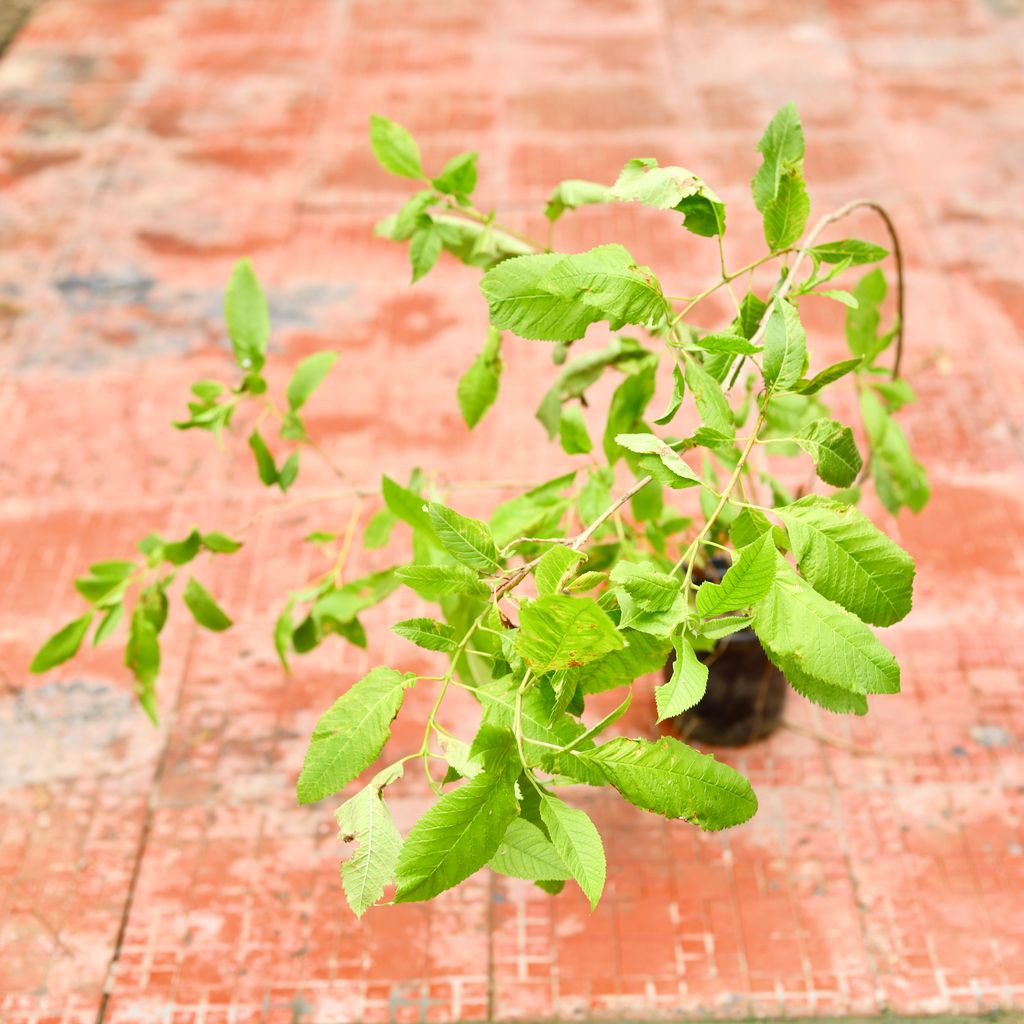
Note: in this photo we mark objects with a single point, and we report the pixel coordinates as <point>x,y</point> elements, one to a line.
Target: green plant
<point>616,575</point>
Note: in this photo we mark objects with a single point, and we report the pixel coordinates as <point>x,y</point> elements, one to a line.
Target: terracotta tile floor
<point>145,145</point>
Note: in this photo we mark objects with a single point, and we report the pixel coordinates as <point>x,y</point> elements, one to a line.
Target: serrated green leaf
<point>782,147</point>
<point>561,632</point>
<point>852,249</point>
<point>525,852</point>
<point>427,633</point>
<point>351,733</point>
<point>748,580</point>
<point>468,540</point>
<point>578,843</point>
<point>585,581</point>
<point>366,821</point>
<point>204,608</point>
<point>247,316</point>
<point>715,629</point>
<point>574,193</point>
<point>833,449</point>
<point>648,444</point>
<point>785,216</point>
<point>395,149</point>
<point>733,344</point>
<point>826,653</point>
<point>63,645</point>
<point>407,506</point>
<point>572,431</point>
<point>424,248</point>
<point>827,376</point>
<point>674,780</point>
<point>642,654</point>
<point>456,837</point>
<point>846,558</point>
<point>554,297</point>
<point>785,347</point>
<point>308,376</point>
<point>687,685</point>
<point>672,188</point>
<point>436,581</point>
<point>478,386</point>
<point>652,590</point>
<point>498,699</point>
<point>712,404</point>
<point>555,565</point>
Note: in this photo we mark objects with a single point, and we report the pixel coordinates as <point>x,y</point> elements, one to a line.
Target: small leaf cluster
<point>670,530</point>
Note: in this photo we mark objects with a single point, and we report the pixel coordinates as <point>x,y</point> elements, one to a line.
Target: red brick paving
<point>146,144</point>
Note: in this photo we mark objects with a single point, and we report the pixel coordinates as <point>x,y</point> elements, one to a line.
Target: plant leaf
<point>478,386</point>
<point>525,852</point>
<point>782,147</point>
<point>458,176</point>
<point>572,431</point>
<point>712,404</point>
<point>204,608</point>
<point>852,249</point>
<point>554,297</point>
<point>578,844</point>
<point>688,683</point>
<point>308,376</point>
<point>560,632</point>
<point>785,347</point>
<point>748,580</point>
<point>395,149</point>
<point>678,390</point>
<point>427,633</point>
<point>247,316</point>
<point>366,821</point>
<point>846,558</point>
<point>672,188</point>
<point>456,837</point>
<point>833,449</point>
<point>63,645</point>
<point>648,444</point>
<point>574,193</point>
<point>466,539</point>
<point>351,733</point>
<point>674,780</point>
<point>827,376</point>
<point>556,563</point>
<point>434,581</point>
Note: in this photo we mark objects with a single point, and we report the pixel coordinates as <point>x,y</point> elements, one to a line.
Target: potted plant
<point>672,537</point>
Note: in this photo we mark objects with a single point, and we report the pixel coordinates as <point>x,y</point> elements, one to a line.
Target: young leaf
<point>748,580</point>
<point>553,297</point>
<point>785,217</point>
<point>468,540</point>
<point>459,175</point>
<point>827,376</point>
<point>572,431</point>
<point>782,147</point>
<point>578,844</point>
<point>248,320</point>
<point>574,193</point>
<point>434,581</point>
<point>556,563</point>
<point>220,543</point>
<point>264,460</point>
<point>427,633</point>
<point>688,683</point>
<point>478,386</point>
<point>827,654</point>
<point>625,413</point>
<point>852,249</point>
<point>712,404</point>
<point>63,645</point>
<point>288,472</point>
<point>395,149</point>
<point>407,506</point>
<point>648,444</point>
<point>108,624</point>
<point>863,321</point>
<point>559,632</point>
<point>456,837</point>
<point>785,347</point>
<point>733,344</point>
<point>833,449</point>
<point>204,608</point>
<point>846,558</point>
<point>351,733</point>
<point>366,821</point>
<point>525,852</point>
<point>652,590</point>
<point>585,581</point>
<point>674,780</point>
<point>424,248</point>
<point>672,188</point>
<point>308,376</point>
<point>678,390</point>
<point>142,657</point>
